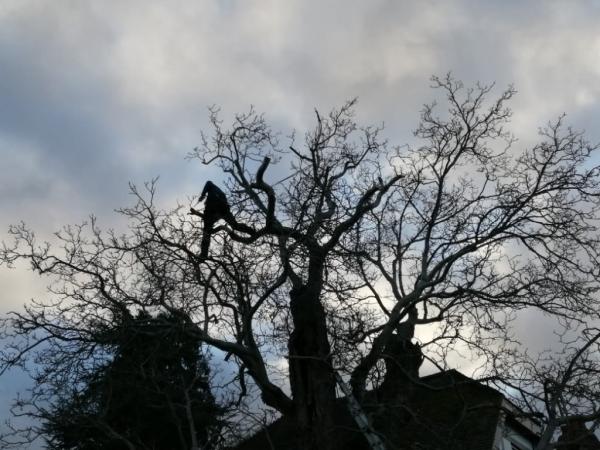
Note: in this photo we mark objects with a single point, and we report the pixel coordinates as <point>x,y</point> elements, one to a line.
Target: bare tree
<point>558,388</point>
<point>339,247</point>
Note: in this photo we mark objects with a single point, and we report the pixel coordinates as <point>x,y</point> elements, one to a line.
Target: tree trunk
<point>312,379</point>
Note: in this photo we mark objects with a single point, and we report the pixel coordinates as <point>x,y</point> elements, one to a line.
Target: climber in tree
<point>216,207</point>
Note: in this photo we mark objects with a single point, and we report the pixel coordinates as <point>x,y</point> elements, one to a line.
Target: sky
<point>97,94</point>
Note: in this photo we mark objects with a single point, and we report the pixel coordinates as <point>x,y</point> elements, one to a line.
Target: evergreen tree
<point>153,394</point>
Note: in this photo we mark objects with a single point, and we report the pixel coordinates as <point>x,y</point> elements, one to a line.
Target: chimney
<point>576,436</point>
<point>402,359</point>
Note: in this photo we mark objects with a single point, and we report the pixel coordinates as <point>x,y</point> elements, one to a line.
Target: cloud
<point>96,94</point>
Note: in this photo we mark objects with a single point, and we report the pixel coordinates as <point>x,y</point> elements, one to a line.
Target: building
<point>443,411</point>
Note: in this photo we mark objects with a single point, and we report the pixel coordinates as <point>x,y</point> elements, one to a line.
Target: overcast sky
<point>95,94</point>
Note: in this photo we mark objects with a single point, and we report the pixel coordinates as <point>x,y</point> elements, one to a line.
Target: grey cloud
<point>95,94</point>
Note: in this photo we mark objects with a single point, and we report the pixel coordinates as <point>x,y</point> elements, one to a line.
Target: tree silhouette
<point>153,394</point>
<point>349,246</point>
